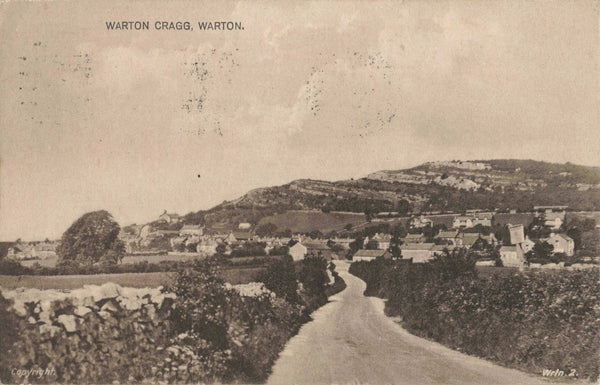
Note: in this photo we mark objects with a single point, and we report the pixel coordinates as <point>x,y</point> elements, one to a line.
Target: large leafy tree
<point>92,238</point>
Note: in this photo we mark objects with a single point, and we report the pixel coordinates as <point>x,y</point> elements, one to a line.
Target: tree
<point>313,275</point>
<point>280,278</point>
<point>372,245</point>
<point>542,251</point>
<point>396,252</point>
<point>266,229</point>
<point>92,238</point>
<point>221,248</point>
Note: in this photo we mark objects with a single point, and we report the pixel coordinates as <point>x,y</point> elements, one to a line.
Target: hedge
<point>530,321</point>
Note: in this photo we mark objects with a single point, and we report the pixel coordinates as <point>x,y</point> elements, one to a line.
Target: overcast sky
<point>135,122</point>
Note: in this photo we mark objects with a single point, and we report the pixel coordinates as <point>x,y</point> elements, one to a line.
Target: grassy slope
<point>306,221</point>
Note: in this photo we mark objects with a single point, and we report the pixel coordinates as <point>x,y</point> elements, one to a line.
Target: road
<point>351,341</point>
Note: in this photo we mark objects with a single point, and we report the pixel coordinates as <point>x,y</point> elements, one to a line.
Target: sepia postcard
<point>300,192</point>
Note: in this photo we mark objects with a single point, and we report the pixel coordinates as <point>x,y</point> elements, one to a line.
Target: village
<point>536,239</point>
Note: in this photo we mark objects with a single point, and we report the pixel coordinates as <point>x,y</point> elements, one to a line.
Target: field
<point>154,258</point>
<point>306,221</point>
<point>67,282</point>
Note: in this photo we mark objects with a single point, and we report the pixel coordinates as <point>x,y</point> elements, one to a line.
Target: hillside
<point>450,186</point>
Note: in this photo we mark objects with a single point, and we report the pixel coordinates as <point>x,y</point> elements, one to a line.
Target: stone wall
<point>103,332</point>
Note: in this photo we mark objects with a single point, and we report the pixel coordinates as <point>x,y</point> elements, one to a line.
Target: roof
<point>191,227</point>
<point>508,249</point>
<point>524,219</point>
<point>417,246</point>
<point>315,245</point>
<point>172,215</point>
<point>242,235</point>
<point>343,240</point>
<point>414,236</point>
<point>442,247</point>
<point>382,237</point>
<point>447,234</point>
<point>370,253</point>
<point>483,216</point>
<point>470,238</point>
<point>553,216</point>
<point>563,236</point>
<point>550,207</point>
<point>462,218</point>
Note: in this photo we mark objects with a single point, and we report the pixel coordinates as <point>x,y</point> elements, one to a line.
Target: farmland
<point>307,221</point>
<point>68,282</point>
<point>128,259</point>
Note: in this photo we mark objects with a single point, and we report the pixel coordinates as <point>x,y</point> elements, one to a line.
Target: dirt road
<point>351,341</point>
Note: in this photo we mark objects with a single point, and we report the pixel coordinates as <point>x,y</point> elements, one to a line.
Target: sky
<point>137,122</point>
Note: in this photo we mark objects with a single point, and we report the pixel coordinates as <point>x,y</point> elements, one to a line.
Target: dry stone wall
<point>109,333</point>
<point>102,333</point>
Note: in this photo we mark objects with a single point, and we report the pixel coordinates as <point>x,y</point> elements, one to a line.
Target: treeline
<point>10,267</point>
<point>530,321</point>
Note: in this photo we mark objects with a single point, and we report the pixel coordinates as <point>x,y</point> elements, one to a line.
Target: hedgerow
<point>531,321</point>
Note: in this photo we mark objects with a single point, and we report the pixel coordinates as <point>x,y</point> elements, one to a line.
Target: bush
<point>280,278</point>
<point>10,267</point>
<point>238,337</point>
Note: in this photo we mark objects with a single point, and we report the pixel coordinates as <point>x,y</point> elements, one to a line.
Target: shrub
<point>280,278</point>
<point>10,267</point>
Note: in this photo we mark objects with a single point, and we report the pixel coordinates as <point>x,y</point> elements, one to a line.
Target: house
<point>462,221</point>
<point>383,240</point>
<point>420,222</point>
<point>316,248</point>
<point>527,245</point>
<point>163,233</point>
<point>549,209</point>
<point>241,236</point>
<point>469,239</point>
<point>169,217</point>
<point>514,218</point>
<point>483,219</point>
<point>4,246</point>
<point>453,237</point>
<point>298,251</point>
<point>517,234</point>
<point>553,216</point>
<point>369,255</point>
<point>554,220</point>
<point>191,230</point>
<point>207,246</point>
<point>344,242</point>
<point>244,226</point>
<point>439,249</point>
<point>230,239</point>
<point>44,250</point>
<point>490,239</point>
<point>562,243</point>
<point>512,256</point>
<point>414,238</point>
<point>418,252</point>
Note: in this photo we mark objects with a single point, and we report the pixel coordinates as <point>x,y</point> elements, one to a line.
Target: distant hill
<point>449,186</point>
